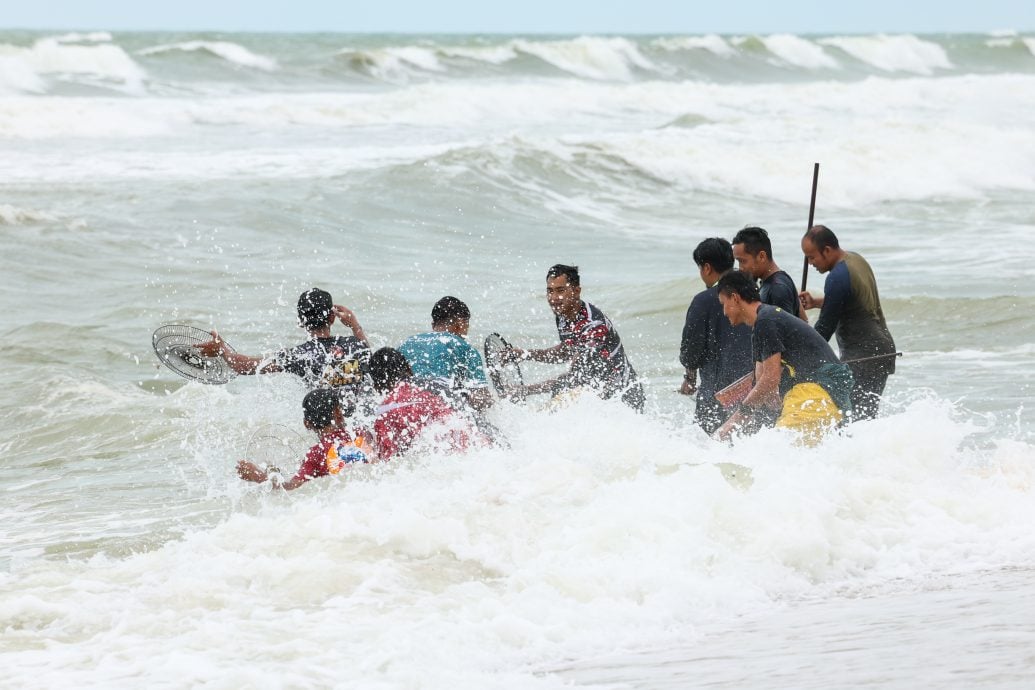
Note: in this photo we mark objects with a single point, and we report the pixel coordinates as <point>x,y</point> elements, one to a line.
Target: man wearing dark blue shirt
<point>712,347</point>
<point>850,308</point>
<point>754,254</point>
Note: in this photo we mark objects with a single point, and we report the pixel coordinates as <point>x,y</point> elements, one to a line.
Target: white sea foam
<point>590,56</point>
<point>496,55</point>
<point>27,117</point>
<point>22,69</point>
<point>91,37</point>
<point>12,215</point>
<point>902,53</point>
<point>901,138</point>
<point>712,43</point>
<point>497,562</point>
<point>17,74</point>
<point>231,52</point>
<point>798,51</point>
<point>1030,44</point>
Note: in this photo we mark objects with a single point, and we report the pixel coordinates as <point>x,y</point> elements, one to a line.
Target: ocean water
<point>151,178</point>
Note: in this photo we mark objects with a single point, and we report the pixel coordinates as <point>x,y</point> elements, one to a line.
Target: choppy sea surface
<point>148,178</point>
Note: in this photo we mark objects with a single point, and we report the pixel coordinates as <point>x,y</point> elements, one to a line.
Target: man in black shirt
<point>796,371</point>
<point>323,361</point>
<point>754,254</point>
<point>711,346</point>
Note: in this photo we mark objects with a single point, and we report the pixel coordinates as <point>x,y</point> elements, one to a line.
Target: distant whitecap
<point>231,52</point>
<point>904,53</point>
<point>799,52</point>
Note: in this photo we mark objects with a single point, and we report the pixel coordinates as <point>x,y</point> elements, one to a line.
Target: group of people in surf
<point>750,354</point>
<point>747,348</point>
<point>372,406</point>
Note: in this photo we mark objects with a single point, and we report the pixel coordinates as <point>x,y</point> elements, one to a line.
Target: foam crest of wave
<point>713,43</point>
<point>496,55</point>
<point>570,543</point>
<point>13,215</point>
<point>590,56</point>
<point>799,52</point>
<point>231,52</point>
<point>394,63</point>
<point>90,37</point>
<point>22,69</point>
<point>902,53</point>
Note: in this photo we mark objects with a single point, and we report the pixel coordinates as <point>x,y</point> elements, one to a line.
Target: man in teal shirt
<point>444,360</point>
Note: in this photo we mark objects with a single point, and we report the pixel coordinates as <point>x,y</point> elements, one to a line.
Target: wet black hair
<point>569,272</point>
<point>716,252</point>
<point>739,283</point>
<point>314,309</point>
<point>388,367</point>
<point>754,240</point>
<point>447,309</point>
<point>823,237</point>
<point>318,407</point>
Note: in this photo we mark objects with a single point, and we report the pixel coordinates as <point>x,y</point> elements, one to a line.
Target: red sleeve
<point>385,436</point>
<point>315,463</point>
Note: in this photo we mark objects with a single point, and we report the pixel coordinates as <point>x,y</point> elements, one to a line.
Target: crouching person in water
<point>796,371</point>
<point>407,408</point>
<point>324,413</point>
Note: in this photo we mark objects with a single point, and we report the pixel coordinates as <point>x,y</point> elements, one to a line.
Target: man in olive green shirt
<point>850,308</point>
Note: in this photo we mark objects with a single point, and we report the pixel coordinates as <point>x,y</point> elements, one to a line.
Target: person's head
<point>753,251</point>
<point>324,408</point>
<point>821,248</point>
<point>563,292</point>
<point>315,307</point>
<point>452,315</point>
<point>713,257</point>
<point>388,367</point>
<point>738,295</point>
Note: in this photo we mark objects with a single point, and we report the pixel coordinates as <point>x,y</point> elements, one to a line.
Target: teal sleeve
<point>475,370</point>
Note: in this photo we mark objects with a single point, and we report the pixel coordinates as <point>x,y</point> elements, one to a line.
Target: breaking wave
<point>905,53</point>
<point>98,62</point>
<point>230,52</point>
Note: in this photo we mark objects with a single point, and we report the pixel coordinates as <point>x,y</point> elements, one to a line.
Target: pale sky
<point>525,16</point>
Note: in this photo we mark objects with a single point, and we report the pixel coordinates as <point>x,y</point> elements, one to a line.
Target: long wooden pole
<point>812,217</point>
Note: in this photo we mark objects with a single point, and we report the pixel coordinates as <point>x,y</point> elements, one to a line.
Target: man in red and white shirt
<point>588,340</point>
<point>408,409</point>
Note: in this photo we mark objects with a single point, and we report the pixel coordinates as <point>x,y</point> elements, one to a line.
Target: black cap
<point>314,308</point>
